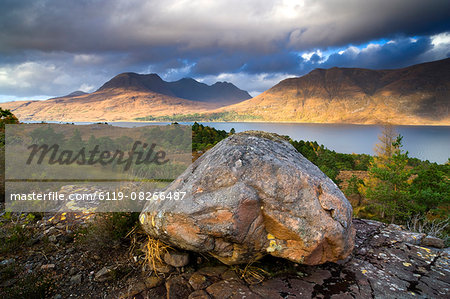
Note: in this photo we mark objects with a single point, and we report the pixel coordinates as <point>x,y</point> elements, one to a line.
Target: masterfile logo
<point>49,165</point>
<point>94,156</point>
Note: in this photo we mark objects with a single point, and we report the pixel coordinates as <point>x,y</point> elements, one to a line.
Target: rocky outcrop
<point>387,262</point>
<point>253,194</point>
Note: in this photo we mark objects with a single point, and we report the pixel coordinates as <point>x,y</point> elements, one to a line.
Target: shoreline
<point>258,122</point>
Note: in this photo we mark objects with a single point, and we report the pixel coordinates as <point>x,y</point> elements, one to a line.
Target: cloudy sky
<point>53,47</point>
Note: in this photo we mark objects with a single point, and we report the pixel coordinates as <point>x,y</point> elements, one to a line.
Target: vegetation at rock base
<point>107,229</point>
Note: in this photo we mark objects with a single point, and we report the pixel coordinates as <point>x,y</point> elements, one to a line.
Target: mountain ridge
<point>128,96</point>
<point>419,94</point>
<point>185,88</point>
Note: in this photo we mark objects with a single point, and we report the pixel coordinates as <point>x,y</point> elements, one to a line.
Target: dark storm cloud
<point>398,53</point>
<point>254,26</point>
<point>52,47</point>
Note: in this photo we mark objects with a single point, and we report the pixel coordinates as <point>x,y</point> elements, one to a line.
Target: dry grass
<point>251,274</point>
<point>154,253</point>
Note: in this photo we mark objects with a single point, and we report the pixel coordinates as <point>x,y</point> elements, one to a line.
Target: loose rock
<point>176,259</point>
<point>433,242</point>
<point>198,281</point>
<point>200,294</point>
<point>48,267</point>
<point>178,288</point>
<point>152,282</point>
<point>76,279</point>
<point>253,194</point>
<point>103,274</point>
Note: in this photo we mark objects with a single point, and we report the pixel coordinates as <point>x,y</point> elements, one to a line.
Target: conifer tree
<point>387,186</point>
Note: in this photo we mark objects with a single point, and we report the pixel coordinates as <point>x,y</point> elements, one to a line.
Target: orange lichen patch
<point>220,216</point>
<point>406,264</point>
<point>199,190</point>
<point>278,230</point>
<point>186,233</point>
<point>292,250</point>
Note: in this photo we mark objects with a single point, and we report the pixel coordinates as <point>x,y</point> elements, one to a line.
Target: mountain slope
<point>128,96</point>
<point>186,88</point>
<point>105,105</point>
<point>419,94</point>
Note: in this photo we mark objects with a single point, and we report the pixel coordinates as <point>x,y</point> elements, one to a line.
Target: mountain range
<point>418,94</point>
<point>128,96</point>
<point>415,95</point>
<point>187,88</point>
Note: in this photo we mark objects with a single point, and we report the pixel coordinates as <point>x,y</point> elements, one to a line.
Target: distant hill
<point>72,94</point>
<point>76,94</point>
<point>105,105</point>
<point>221,92</point>
<point>128,96</point>
<point>418,94</point>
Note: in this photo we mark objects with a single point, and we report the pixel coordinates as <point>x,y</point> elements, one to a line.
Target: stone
<point>411,237</point>
<point>178,288</point>
<point>136,288</point>
<point>230,274</point>
<point>198,281</point>
<point>103,274</point>
<point>393,226</point>
<point>48,267</point>
<point>230,289</point>
<point>254,194</point>
<point>161,268</point>
<point>52,239</point>
<point>280,288</point>
<point>76,279</point>
<point>176,259</point>
<point>200,294</point>
<point>7,262</point>
<point>318,276</point>
<point>433,242</point>
<point>159,292</point>
<point>153,281</point>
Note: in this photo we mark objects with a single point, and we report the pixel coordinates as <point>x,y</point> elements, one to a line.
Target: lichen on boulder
<point>253,194</point>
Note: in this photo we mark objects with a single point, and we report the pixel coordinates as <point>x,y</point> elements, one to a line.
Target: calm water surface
<point>424,142</point>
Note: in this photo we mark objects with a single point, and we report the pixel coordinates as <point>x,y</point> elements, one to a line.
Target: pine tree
<point>384,149</point>
<point>387,186</point>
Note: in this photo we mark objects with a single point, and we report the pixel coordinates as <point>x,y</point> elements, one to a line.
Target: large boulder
<point>253,194</point>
